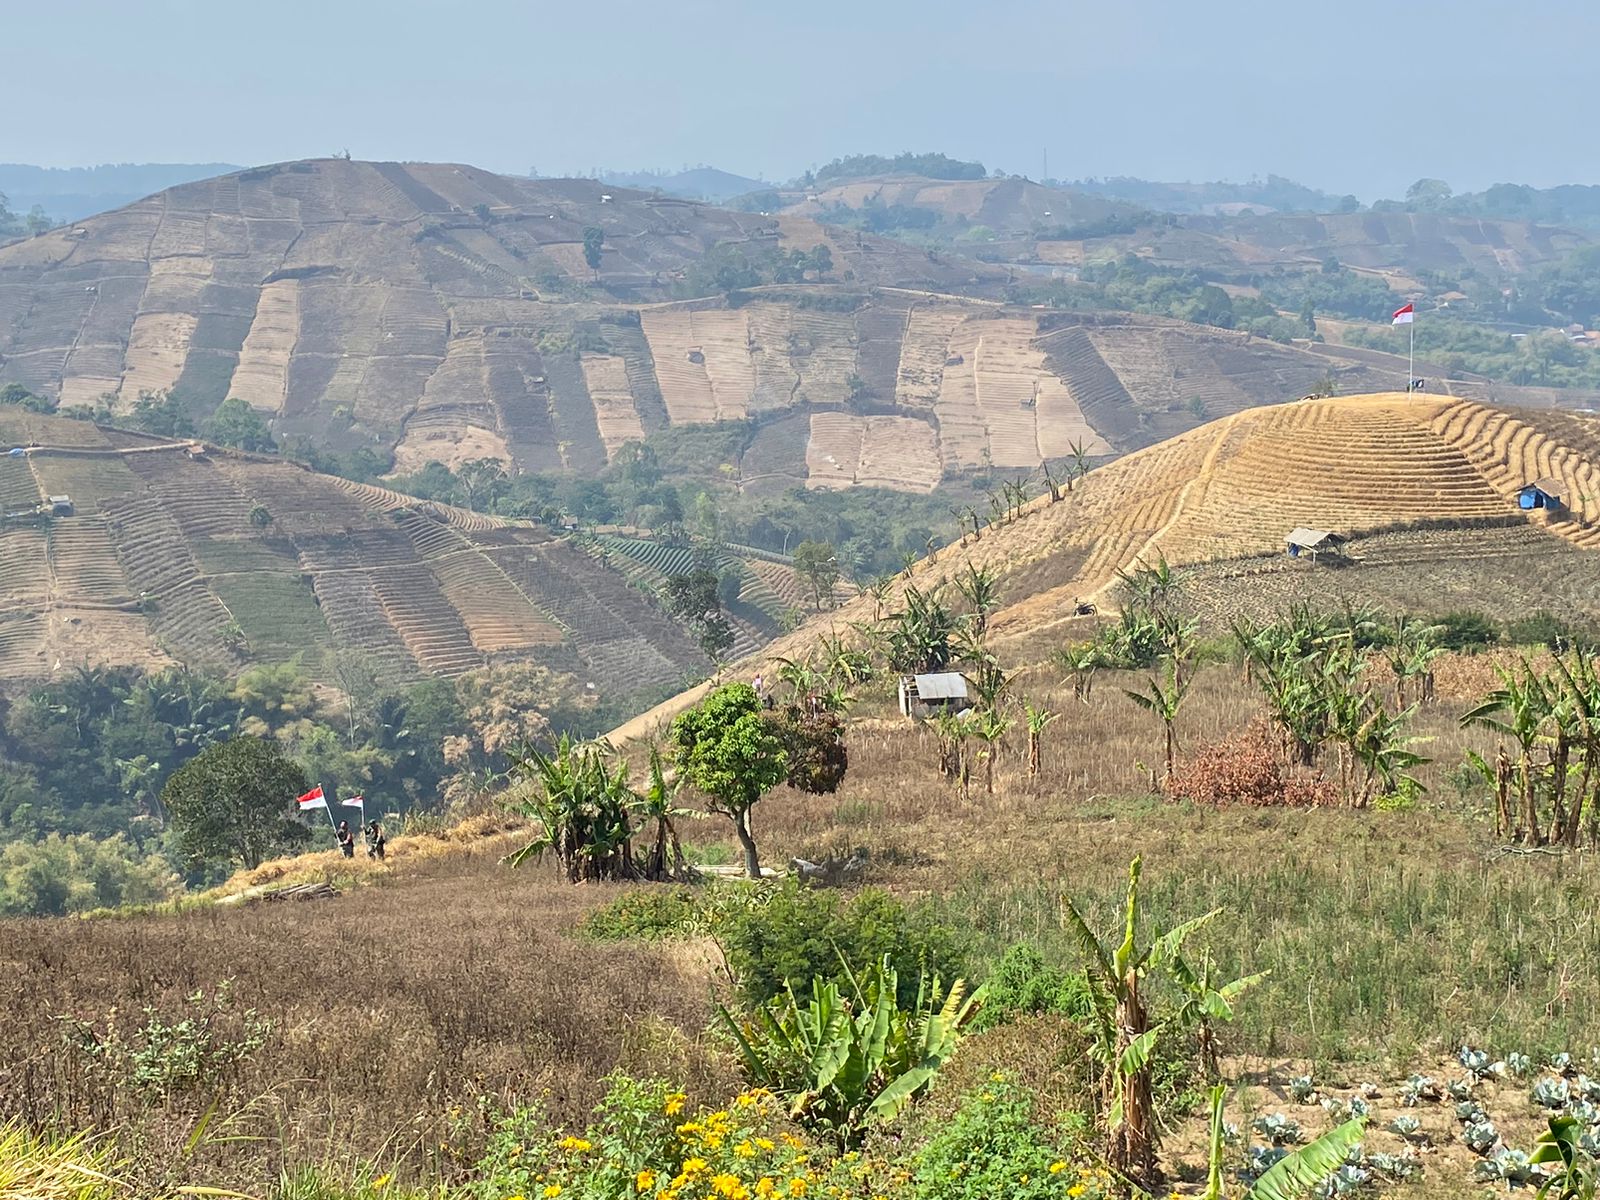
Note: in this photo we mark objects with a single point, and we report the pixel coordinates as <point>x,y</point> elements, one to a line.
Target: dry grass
<point>390,1007</point>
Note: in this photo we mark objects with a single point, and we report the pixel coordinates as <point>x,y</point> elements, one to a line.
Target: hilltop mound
<point>221,560</point>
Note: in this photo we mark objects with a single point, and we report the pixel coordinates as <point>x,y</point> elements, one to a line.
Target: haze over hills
<point>72,193</point>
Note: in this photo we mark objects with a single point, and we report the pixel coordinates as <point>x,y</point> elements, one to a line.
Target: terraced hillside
<point>349,300</point>
<point>221,560</point>
<point>1426,488</point>
<point>906,390</point>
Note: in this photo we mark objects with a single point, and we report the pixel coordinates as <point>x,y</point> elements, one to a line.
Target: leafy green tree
<point>816,564</point>
<point>18,396</point>
<point>233,803</point>
<point>594,239</point>
<point>161,413</point>
<point>725,748</point>
<point>695,598</point>
<point>60,875</point>
<point>238,425</point>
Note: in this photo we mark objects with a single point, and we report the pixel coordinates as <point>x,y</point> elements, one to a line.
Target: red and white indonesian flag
<point>354,802</point>
<point>1404,316</point>
<point>313,799</point>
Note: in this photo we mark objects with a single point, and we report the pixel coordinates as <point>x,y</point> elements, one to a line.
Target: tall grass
<point>41,1168</point>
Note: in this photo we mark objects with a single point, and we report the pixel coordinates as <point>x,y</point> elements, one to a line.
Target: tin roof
<point>946,685</point>
<point>1311,539</point>
<point>1550,487</point>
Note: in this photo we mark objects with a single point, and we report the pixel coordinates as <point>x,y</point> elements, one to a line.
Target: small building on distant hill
<point>1313,543</point>
<point>60,506</point>
<point>1544,494</point>
<point>928,695</point>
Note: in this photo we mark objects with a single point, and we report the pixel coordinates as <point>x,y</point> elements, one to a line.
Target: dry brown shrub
<point>1247,768</point>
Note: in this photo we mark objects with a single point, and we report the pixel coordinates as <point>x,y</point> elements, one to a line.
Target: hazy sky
<point>1352,96</point>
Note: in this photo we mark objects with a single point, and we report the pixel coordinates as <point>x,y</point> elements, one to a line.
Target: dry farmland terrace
<point>221,559</point>
<point>1425,488</point>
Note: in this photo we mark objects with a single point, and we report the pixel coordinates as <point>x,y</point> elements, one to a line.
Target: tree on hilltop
<point>233,802</point>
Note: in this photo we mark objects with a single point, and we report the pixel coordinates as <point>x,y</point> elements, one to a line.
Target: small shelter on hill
<point>1542,493</point>
<point>60,506</point>
<point>928,695</point>
<point>1313,543</point>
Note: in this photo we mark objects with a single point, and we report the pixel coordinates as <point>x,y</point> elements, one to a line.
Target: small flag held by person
<point>354,802</point>
<point>1404,316</point>
<point>313,799</point>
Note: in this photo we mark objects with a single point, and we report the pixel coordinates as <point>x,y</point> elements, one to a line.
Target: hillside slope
<point>1221,498</point>
<point>221,560</point>
<point>342,297</point>
<point>1398,244</point>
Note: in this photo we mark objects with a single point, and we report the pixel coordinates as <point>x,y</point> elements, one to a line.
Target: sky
<point>1356,97</point>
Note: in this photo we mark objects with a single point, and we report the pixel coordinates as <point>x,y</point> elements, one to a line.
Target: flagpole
<point>328,808</point>
<point>1411,361</point>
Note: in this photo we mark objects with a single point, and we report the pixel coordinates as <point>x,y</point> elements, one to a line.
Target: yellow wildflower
<point>1057,1167</point>
<point>792,1141</point>
<point>797,1186</point>
<point>765,1144</point>
<point>551,1191</point>
<point>997,1077</point>
<point>744,1149</point>
<point>730,1187</point>
<point>1076,1190</point>
<point>674,1104</point>
<point>576,1144</point>
<point>689,1129</point>
<point>765,1187</point>
<point>693,1166</point>
<point>381,1182</point>
<point>644,1180</point>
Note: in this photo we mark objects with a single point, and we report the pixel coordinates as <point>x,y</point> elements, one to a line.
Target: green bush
<point>646,913</point>
<point>1467,631</point>
<point>1548,630</point>
<point>993,1147</point>
<point>801,934</point>
<point>1023,983</point>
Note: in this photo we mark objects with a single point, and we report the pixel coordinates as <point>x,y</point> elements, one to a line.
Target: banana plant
<point>1573,1173</point>
<point>1165,700</point>
<point>1206,1002</point>
<point>847,1064</point>
<point>1293,1175</point>
<point>1122,1036</point>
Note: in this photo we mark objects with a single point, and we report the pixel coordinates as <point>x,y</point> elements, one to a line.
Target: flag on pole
<point>1404,316</point>
<point>313,799</point>
<point>354,802</point>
